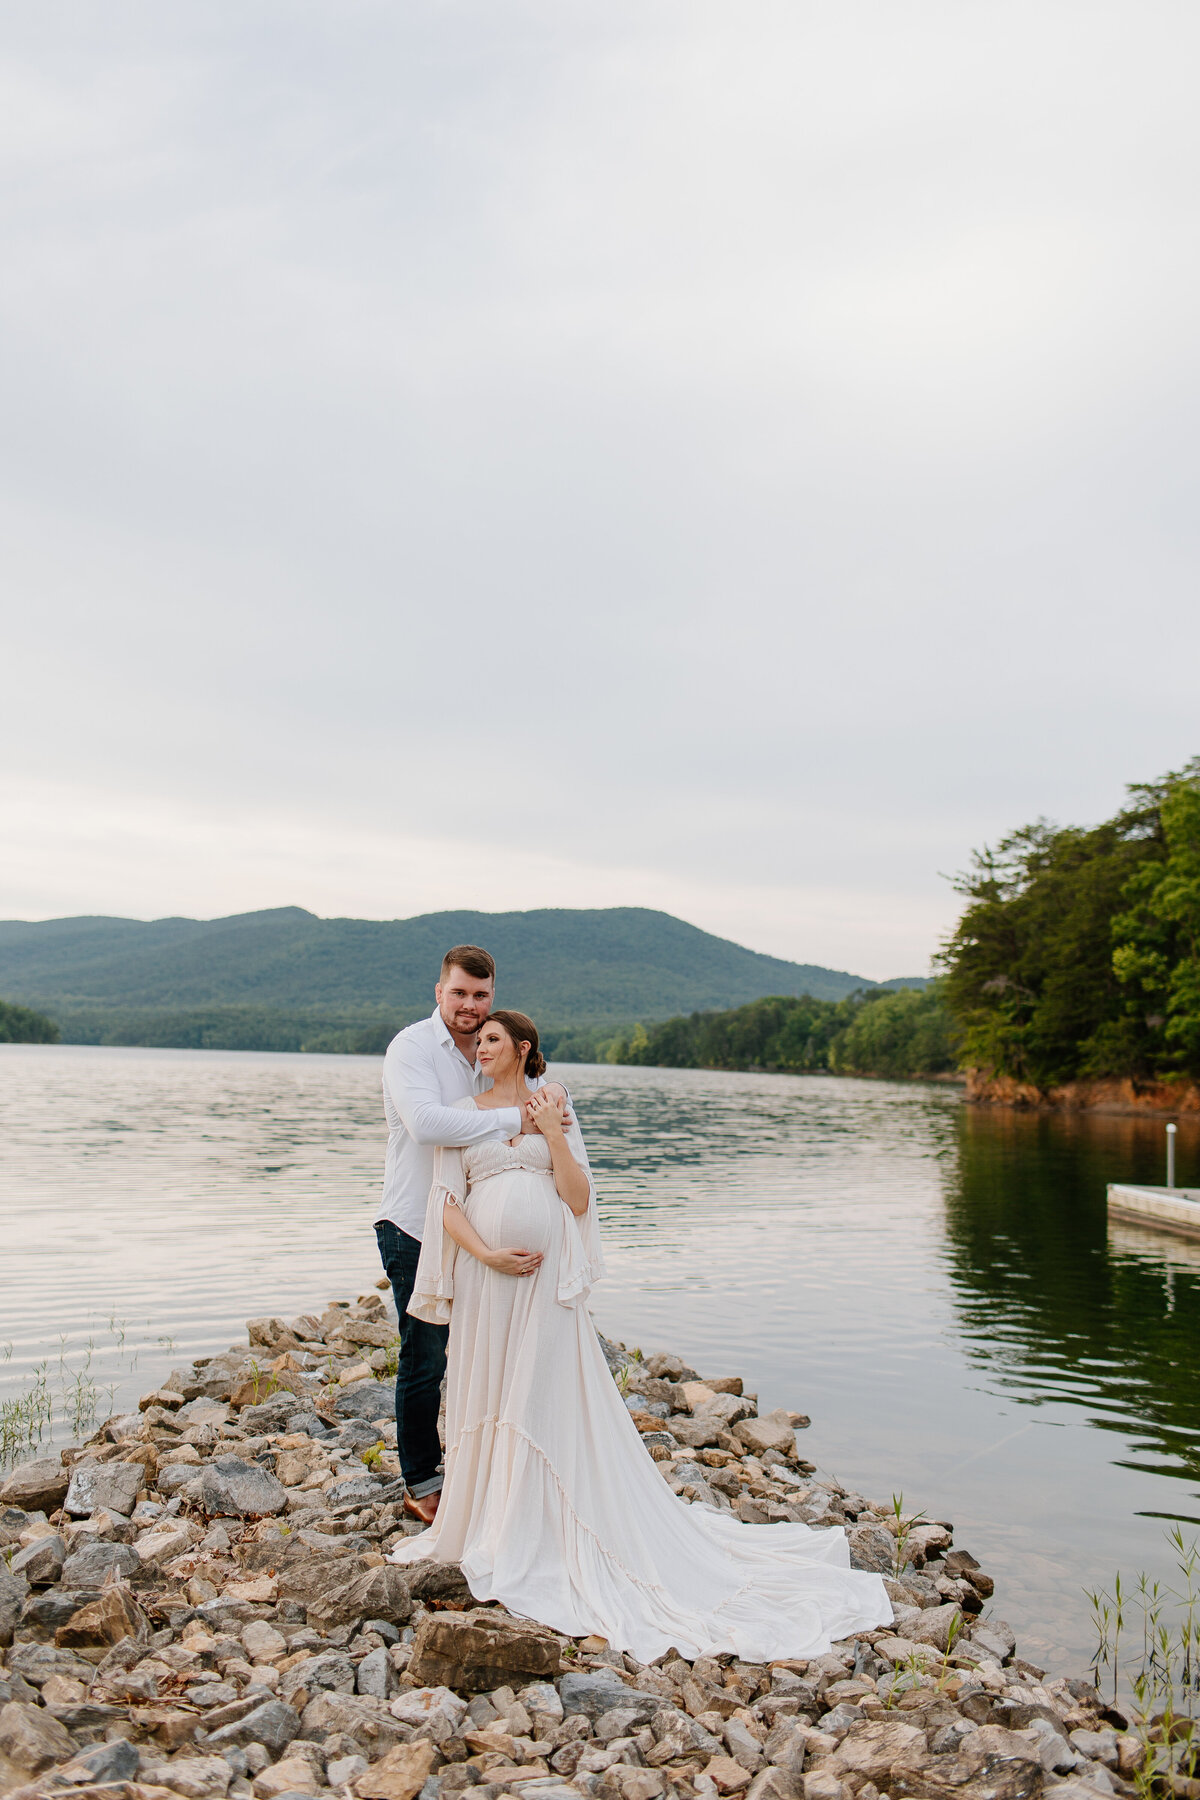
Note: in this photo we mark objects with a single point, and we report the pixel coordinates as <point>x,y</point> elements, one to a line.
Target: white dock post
<point>1171,1156</point>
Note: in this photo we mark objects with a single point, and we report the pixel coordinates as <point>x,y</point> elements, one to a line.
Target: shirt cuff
<point>511,1115</point>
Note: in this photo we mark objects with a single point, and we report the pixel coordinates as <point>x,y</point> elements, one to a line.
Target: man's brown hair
<point>472,960</point>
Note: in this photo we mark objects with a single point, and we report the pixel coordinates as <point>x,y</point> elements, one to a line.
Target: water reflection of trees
<point>1059,1305</point>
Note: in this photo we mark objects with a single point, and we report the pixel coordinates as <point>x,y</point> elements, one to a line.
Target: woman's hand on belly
<point>513,1262</point>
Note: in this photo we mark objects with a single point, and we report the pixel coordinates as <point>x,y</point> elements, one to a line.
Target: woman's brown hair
<point>522,1030</point>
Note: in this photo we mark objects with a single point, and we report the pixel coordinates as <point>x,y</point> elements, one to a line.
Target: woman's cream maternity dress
<point>550,1502</point>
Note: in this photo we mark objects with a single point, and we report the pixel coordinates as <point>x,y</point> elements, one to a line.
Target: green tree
<point>1076,953</point>
<point>1156,954</point>
<point>886,1033</point>
<point>20,1025</point>
<point>901,1035</point>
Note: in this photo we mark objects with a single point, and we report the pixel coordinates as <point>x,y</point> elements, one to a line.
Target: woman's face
<point>498,1055</point>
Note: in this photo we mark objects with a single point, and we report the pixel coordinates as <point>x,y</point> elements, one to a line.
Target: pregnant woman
<point>550,1502</point>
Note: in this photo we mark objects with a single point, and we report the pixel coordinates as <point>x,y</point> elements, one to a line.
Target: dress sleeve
<point>433,1290</point>
<point>581,1262</point>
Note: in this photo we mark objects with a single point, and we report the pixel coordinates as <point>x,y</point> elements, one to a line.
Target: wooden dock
<point>1160,1208</point>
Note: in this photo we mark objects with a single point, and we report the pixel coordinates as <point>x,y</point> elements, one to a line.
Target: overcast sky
<point>728,458</point>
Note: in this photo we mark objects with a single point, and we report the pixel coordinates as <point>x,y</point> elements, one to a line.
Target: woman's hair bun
<point>522,1030</point>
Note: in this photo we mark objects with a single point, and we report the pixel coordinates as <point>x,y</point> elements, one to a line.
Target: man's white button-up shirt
<point>424,1073</point>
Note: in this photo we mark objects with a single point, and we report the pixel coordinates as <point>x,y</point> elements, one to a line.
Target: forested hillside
<point>1078,954</point>
<point>287,980</point>
<point>900,1035</point>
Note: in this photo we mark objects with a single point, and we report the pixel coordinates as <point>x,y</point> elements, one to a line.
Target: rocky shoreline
<point>1124,1096</point>
<point>197,1606</point>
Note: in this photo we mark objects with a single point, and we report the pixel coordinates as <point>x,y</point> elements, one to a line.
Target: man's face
<point>465,1001</point>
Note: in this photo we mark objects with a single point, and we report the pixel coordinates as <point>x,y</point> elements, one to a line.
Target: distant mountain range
<point>285,979</point>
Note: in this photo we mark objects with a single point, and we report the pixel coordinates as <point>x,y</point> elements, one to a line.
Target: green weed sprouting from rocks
<point>373,1455</point>
<point>392,1365</point>
<point>1165,1680</point>
<point>70,1395</point>
<point>904,1524</point>
<point>259,1376</point>
<point>81,1399</point>
<point>24,1418</point>
<point>922,1667</point>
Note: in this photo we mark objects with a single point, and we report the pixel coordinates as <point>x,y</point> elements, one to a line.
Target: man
<point>427,1068</point>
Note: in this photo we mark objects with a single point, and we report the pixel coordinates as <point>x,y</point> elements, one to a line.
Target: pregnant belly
<point>517,1211</point>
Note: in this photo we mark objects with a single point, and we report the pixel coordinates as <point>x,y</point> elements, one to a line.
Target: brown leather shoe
<point>424,1508</point>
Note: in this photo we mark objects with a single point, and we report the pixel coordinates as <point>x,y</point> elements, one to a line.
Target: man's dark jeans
<point>422,1365</point>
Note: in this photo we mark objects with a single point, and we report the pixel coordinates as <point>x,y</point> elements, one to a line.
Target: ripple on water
<point>938,1287</point>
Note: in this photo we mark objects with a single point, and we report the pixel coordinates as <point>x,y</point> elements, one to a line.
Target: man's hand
<point>514,1262</point>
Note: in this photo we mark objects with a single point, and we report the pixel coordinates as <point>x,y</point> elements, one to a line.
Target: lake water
<point>937,1286</point>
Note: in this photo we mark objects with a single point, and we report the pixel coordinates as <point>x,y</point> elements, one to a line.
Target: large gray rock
<point>360,1716</point>
<point>35,1663</point>
<point>91,1565</point>
<point>677,1735</point>
<point>204,1410</point>
<point>772,1432</point>
<point>731,1409</point>
<point>114,1485</point>
<point>994,1638</point>
<point>273,1724</point>
<point>118,1761</point>
<point>743,1748</point>
<point>366,1400</point>
<point>787,1745</point>
<point>374,1333</point>
<point>934,1625</point>
<point>695,1434</point>
<point>198,1777</point>
<point>438,1582</point>
<point>961,1777</point>
<point>274,1414</point>
<point>595,1691</point>
<point>332,1670</point>
<point>479,1651</point>
<point>375,1675</point>
<point>115,1616</point>
<point>38,1486</point>
<point>872,1547</point>
<point>228,1485</point>
<point>41,1563</point>
<point>53,1606</point>
<point>312,1577</point>
<point>871,1752</point>
<point>358,1490</point>
<point>774,1783</point>
<point>31,1738</point>
<point>173,1478</point>
<point>13,1592</point>
<point>379,1593</point>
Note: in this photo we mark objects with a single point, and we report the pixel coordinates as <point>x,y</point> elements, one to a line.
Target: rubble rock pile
<point>196,1603</point>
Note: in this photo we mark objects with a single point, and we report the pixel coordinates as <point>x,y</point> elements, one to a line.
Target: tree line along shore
<point>1071,979</point>
<point>196,1604</point>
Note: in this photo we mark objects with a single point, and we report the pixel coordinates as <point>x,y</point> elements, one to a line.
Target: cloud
<point>735,463</point>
